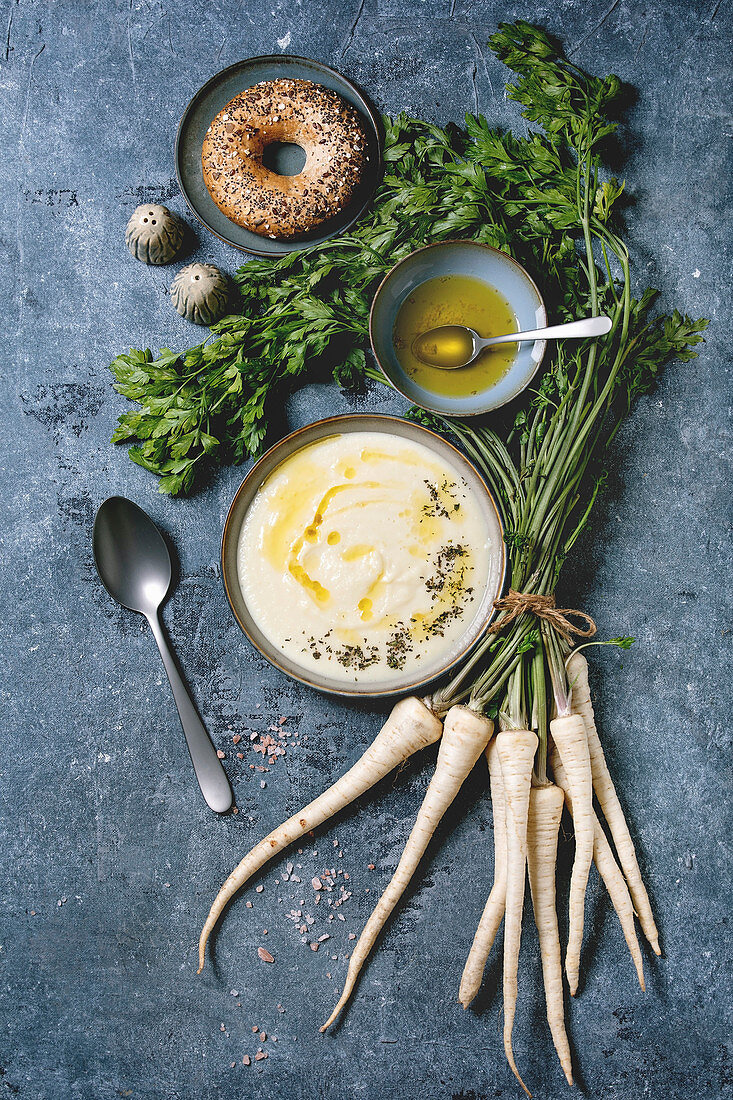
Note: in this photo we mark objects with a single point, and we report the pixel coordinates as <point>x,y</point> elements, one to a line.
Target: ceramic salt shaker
<point>200,292</point>
<point>154,234</point>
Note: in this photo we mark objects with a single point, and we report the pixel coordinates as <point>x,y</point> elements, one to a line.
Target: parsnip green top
<point>364,556</point>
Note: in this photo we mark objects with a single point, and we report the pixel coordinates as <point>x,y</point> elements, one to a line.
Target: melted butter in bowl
<point>464,283</point>
<point>455,300</point>
<point>365,558</point>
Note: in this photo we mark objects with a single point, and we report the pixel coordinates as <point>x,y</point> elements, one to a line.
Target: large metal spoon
<point>134,566</point>
<point>452,346</point>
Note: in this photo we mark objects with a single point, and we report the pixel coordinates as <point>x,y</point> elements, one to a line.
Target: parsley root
<point>569,735</point>
<point>516,749</point>
<point>543,824</point>
<point>411,726</point>
<point>493,913</point>
<point>465,736</point>
<point>610,872</point>
<point>577,667</point>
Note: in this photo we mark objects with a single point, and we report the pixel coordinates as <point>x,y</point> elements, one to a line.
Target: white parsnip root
<point>493,913</point>
<point>543,824</point>
<point>465,736</point>
<point>568,733</point>
<point>577,668</point>
<point>411,726</point>
<point>516,750</point>
<point>610,872</point>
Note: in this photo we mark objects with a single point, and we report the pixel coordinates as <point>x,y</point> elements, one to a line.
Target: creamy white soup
<point>365,557</point>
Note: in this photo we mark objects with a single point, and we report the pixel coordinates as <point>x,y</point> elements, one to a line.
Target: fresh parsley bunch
<point>308,312</point>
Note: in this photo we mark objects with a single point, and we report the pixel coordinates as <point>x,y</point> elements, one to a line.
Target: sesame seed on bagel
<point>300,112</point>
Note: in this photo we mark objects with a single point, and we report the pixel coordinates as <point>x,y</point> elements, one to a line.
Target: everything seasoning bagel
<point>300,112</point>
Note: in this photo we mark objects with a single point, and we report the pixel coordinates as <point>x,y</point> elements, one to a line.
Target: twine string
<point>515,604</point>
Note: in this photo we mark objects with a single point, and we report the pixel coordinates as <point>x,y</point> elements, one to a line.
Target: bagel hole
<point>285,158</point>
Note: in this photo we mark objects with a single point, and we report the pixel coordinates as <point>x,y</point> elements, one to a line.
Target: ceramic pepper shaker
<point>200,292</point>
<point>154,234</point>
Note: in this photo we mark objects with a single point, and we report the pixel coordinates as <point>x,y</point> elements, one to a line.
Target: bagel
<point>300,112</point>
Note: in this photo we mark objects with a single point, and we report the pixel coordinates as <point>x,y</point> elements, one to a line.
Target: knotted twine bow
<point>515,604</point>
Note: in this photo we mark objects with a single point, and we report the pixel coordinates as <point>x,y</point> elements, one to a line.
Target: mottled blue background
<point>110,857</point>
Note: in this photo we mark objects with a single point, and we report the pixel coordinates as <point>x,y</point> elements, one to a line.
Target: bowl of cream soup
<point>362,555</point>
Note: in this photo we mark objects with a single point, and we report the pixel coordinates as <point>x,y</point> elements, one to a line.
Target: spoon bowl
<point>134,565</point>
<point>449,347</point>
<point>131,556</point>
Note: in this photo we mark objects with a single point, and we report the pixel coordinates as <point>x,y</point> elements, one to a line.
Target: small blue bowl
<point>480,261</point>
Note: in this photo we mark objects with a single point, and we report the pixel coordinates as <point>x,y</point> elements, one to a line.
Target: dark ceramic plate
<point>215,95</point>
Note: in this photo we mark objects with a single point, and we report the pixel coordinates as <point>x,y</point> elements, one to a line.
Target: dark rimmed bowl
<point>390,425</point>
<point>214,96</point>
<point>481,261</point>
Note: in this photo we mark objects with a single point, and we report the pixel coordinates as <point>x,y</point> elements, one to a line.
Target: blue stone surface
<point>109,856</point>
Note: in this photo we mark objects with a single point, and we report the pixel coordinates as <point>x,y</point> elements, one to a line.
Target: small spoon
<point>134,566</point>
<point>452,346</point>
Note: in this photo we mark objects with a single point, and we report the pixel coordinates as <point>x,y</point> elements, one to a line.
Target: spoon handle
<point>573,330</point>
<point>206,764</point>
